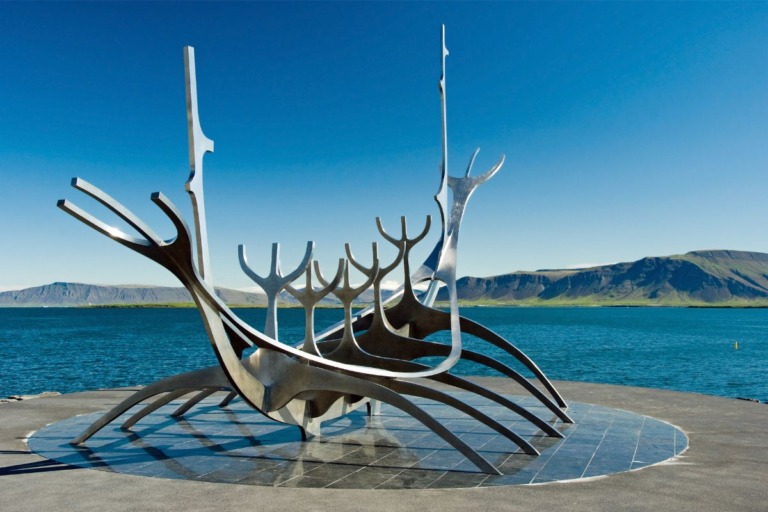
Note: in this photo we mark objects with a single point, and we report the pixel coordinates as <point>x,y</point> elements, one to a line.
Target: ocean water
<point>67,350</point>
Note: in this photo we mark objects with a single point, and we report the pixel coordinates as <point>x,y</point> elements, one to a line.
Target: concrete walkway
<point>725,467</point>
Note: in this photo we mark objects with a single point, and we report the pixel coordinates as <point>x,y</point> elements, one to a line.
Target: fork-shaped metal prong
<point>274,282</point>
<point>136,244</point>
<point>405,244</point>
<point>309,297</point>
<point>347,294</point>
<point>173,254</point>
<point>120,210</point>
<point>143,245</point>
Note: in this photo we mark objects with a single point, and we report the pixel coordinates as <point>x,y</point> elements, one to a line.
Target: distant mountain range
<point>698,278</point>
<point>78,294</point>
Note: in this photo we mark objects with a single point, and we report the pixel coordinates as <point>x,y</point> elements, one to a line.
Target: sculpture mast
<point>442,193</point>
<point>199,144</point>
<point>444,166</point>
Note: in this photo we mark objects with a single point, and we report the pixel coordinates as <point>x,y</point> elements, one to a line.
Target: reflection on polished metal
<point>369,357</point>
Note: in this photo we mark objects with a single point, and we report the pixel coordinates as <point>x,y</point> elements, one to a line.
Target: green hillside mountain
<point>698,278</point>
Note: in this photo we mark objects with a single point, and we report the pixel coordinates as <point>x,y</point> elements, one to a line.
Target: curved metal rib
<point>149,408</point>
<point>477,357</point>
<point>397,353</point>
<point>410,349</point>
<point>199,397</point>
<point>228,399</point>
<point>307,379</point>
<point>121,211</point>
<point>398,350</point>
<point>483,333</point>
<point>363,358</point>
<point>413,389</point>
<point>421,321</point>
<point>213,375</point>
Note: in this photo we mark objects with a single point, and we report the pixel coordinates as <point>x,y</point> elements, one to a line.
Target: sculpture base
<point>391,450</point>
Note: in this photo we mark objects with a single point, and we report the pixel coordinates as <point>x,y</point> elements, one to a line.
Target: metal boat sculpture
<point>366,359</point>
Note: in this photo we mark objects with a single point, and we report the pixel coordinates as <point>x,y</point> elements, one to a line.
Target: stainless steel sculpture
<point>366,359</point>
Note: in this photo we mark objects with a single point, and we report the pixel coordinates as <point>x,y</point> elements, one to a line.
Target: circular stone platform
<point>390,451</point>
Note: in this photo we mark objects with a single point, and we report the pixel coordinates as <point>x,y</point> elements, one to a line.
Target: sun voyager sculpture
<point>367,359</point>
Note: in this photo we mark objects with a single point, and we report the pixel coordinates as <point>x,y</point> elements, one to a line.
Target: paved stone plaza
<point>390,451</point>
<point>722,469</point>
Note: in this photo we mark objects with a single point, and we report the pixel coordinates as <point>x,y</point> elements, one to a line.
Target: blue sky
<point>630,129</point>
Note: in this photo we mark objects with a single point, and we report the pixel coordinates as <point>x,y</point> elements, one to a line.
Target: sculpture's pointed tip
<point>189,55</point>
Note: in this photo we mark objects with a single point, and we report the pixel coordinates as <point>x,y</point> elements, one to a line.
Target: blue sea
<point>66,350</point>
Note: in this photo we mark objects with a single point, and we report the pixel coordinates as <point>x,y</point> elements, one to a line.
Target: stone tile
<point>607,466</point>
<point>521,477</point>
<point>304,481</point>
<point>272,477</point>
<point>365,478</point>
<point>442,460</point>
<point>404,458</point>
<point>561,470</point>
<point>232,472</point>
<point>451,480</point>
<point>411,479</point>
<point>331,472</point>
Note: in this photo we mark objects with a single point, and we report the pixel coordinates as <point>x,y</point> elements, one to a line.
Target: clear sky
<point>630,129</point>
